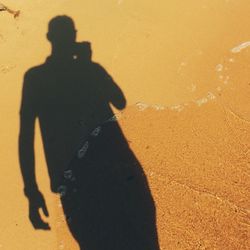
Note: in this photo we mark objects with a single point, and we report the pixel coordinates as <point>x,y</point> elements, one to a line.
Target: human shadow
<point>104,191</point>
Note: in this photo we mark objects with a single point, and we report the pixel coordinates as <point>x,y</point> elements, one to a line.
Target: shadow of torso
<point>69,98</point>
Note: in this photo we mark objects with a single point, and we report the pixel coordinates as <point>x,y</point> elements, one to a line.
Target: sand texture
<point>182,71</point>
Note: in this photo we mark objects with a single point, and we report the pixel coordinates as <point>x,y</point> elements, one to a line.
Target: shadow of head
<point>61,31</point>
<point>62,36</point>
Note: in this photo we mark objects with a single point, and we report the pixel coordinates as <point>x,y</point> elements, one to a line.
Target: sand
<point>184,68</point>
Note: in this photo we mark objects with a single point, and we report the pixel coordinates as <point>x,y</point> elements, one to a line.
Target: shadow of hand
<point>35,203</point>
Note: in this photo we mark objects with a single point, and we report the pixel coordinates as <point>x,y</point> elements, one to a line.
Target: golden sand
<point>187,66</point>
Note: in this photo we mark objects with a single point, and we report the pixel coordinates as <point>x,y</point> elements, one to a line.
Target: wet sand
<point>185,71</point>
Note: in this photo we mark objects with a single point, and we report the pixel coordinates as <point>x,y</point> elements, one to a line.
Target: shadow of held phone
<point>83,51</point>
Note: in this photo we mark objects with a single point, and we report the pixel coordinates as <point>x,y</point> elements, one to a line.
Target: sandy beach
<point>184,71</point>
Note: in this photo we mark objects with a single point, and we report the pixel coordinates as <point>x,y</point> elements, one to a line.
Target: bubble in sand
<point>68,174</point>
<point>62,190</point>
<point>219,67</point>
<point>96,131</point>
<point>141,106</point>
<point>83,150</point>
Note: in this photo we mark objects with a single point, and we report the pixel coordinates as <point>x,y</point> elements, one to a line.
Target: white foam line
<point>240,47</point>
<point>178,107</point>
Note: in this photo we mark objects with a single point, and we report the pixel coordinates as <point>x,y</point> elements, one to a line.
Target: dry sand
<point>187,66</point>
